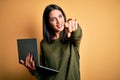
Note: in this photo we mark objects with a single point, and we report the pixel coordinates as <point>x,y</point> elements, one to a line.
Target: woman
<point>59,48</point>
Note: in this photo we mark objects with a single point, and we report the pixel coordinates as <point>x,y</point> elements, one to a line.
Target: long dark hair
<point>48,31</point>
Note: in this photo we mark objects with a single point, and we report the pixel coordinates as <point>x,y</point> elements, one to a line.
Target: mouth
<point>59,26</point>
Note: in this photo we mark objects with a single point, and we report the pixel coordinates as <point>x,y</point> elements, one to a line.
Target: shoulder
<point>42,42</point>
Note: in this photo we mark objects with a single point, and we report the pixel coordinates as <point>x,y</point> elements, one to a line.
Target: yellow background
<point>100,45</point>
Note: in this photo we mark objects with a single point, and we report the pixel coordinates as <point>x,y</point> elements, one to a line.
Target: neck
<point>57,35</point>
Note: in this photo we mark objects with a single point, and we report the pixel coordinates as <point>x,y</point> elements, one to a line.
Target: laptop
<point>29,45</point>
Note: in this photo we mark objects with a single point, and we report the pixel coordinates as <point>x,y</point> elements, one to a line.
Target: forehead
<point>55,12</point>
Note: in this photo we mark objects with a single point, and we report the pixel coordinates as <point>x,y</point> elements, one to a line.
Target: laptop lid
<point>26,46</point>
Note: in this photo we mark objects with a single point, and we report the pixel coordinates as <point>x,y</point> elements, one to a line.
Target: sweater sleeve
<point>76,36</point>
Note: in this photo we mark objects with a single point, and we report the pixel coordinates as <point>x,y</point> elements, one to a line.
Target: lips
<point>59,26</point>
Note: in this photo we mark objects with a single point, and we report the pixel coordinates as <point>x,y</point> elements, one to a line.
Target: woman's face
<point>56,20</point>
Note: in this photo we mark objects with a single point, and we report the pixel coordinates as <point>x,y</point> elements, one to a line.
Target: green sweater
<point>61,56</point>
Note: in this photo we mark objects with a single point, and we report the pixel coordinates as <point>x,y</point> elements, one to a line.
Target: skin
<point>57,22</point>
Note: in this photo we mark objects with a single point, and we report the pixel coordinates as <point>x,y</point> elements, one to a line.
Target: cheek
<point>63,21</point>
<point>52,23</point>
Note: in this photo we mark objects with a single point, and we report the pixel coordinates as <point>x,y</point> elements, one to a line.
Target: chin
<point>61,29</point>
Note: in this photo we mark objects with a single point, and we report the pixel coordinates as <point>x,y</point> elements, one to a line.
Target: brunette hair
<point>48,31</point>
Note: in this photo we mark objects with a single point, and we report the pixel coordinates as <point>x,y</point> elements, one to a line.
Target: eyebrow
<point>54,16</point>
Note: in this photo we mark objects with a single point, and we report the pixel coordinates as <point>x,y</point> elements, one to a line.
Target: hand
<point>70,26</point>
<point>29,62</point>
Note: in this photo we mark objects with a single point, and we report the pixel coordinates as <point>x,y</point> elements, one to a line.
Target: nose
<point>58,21</point>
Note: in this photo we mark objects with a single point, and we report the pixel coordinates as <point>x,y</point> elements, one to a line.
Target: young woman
<point>59,48</point>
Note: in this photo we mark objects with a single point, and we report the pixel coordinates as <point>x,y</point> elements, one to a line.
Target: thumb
<point>68,34</point>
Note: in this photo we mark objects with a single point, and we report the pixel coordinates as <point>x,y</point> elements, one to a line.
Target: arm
<point>74,31</point>
<point>30,65</point>
<point>76,36</point>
